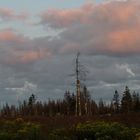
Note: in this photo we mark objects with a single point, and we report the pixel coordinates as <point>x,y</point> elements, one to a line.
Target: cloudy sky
<point>39,40</point>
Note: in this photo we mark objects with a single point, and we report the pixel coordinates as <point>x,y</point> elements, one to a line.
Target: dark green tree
<point>31,104</point>
<point>32,99</point>
<point>116,101</point>
<point>135,102</point>
<point>70,101</point>
<point>101,107</point>
<point>126,102</point>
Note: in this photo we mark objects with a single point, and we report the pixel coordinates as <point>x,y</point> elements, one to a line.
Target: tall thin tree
<point>78,92</point>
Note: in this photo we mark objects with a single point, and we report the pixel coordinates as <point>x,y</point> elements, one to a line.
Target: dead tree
<point>78,92</point>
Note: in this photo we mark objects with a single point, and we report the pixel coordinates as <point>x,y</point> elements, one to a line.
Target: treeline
<point>125,102</point>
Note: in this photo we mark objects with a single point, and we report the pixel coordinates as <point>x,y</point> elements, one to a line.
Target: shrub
<point>19,130</point>
<point>96,131</point>
<point>106,131</point>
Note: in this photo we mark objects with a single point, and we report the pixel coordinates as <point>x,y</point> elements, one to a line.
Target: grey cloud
<point>47,61</point>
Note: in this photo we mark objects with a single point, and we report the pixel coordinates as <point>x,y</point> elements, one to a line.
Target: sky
<point>39,41</point>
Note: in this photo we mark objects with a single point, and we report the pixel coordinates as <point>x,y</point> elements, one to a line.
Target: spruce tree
<point>116,101</point>
<point>126,102</point>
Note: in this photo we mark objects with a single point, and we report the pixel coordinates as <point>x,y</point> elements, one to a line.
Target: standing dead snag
<point>78,92</point>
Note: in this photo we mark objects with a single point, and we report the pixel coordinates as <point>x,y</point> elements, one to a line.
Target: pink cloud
<point>28,56</point>
<point>67,17</point>
<point>89,14</point>
<point>11,14</point>
<point>20,56</point>
<point>18,49</point>
<point>106,28</point>
<point>110,29</point>
<point>125,41</point>
<point>10,35</point>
